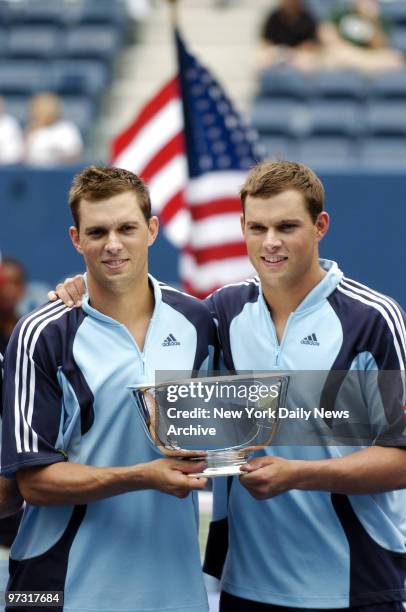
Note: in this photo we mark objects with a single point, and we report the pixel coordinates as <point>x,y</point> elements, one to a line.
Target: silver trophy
<point>220,420</point>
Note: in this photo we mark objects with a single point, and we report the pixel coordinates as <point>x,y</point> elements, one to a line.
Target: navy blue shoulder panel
<point>374,324</point>
<point>40,346</point>
<point>227,303</point>
<point>371,322</point>
<point>197,313</point>
<point>57,343</point>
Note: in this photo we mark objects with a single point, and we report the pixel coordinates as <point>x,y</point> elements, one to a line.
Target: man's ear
<point>242,222</point>
<point>322,225</point>
<point>153,227</point>
<point>74,236</point>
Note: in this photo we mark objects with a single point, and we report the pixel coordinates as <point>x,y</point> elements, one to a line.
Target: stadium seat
<point>17,106</point>
<point>99,12</point>
<point>326,152</point>
<point>279,147</point>
<point>390,85</point>
<point>283,83</point>
<point>80,110</point>
<point>279,117</point>
<point>80,76</point>
<point>385,118</point>
<point>323,8</point>
<point>340,85</point>
<point>4,13</point>
<point>40,12</point>
<point>394,11</point>
<point>33,42</point>
<point>384,153</point>
<point>398,38</point>
<point>3,42</point>
<point>92,41</point>
<point>18,77</point>
<point>334,118</point>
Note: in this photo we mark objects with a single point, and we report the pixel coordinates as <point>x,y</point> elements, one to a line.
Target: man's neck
<point>126,307</point>
<point>282,301</point>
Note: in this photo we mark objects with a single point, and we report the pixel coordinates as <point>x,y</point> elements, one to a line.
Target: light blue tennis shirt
<point>313,549</point>
<point>67,378</point>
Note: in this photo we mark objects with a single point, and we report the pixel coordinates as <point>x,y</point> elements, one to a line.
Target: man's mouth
<point>115,264</point>
<point>273,260</point>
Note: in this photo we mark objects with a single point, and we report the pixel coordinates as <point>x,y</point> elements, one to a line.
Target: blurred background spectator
<point>11,137</point>
<point>12,292</point>
<point>351,35</point>
<point>356,36</point>
<point>289,36</point>
<point>50,139</point>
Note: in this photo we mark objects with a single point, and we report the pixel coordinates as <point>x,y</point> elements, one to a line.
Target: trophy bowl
<point>218,419</point>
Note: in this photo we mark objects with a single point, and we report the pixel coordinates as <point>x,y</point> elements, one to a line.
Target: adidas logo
<point>170,341</point>
<point>312,340</point>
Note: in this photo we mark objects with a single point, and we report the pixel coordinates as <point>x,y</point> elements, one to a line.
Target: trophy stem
<point>223,463</point>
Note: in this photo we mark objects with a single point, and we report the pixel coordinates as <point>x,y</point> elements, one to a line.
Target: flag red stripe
<point>173,147</point>
<point>215,207</point>
<point>123,140</point>
<point>217,252</point>
<point>174,205</point>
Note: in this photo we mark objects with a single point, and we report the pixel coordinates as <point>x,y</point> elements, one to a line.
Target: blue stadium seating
<point>24,77</point>
<point>80,76</point>
<point>279,147</point>
<point>17,106</point>
<point>385,118</point>
<point>339,84</point>
<point>326,152</point>
<point>92,41</point>
<point>284,83</point>
<point>398,38</point>
<point>96,12</point>
<point>331,117</point>
<point>389,85</point>
<point>322,8</point>
<point>39,12</point>
<point>3,42</point>
<point>63,46</point>
<point>383,153</point>
<point>282,117</point>
<point>79,109</point>
<point>334,118</point>
<point>29,42</point>
<point>394,11</point>
<point>4,12</point>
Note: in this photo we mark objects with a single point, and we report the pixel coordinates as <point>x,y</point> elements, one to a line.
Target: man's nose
<point>113,244</point>
<point>272,239</point>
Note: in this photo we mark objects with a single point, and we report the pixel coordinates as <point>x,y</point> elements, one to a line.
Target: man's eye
<point>257,228</point>
<point>95,233</point>
<point>128,228</point>
<point>287,226</point>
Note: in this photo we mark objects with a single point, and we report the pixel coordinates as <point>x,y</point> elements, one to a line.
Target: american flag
<point>194,150</point>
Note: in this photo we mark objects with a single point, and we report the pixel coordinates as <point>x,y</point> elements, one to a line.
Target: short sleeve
<point>32,399</point>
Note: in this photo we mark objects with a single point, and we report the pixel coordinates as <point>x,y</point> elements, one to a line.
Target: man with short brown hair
<point>103,517</point>
<point>317,526</point>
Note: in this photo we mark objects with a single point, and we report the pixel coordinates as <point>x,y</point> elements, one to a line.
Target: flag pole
<point>173,6</point>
